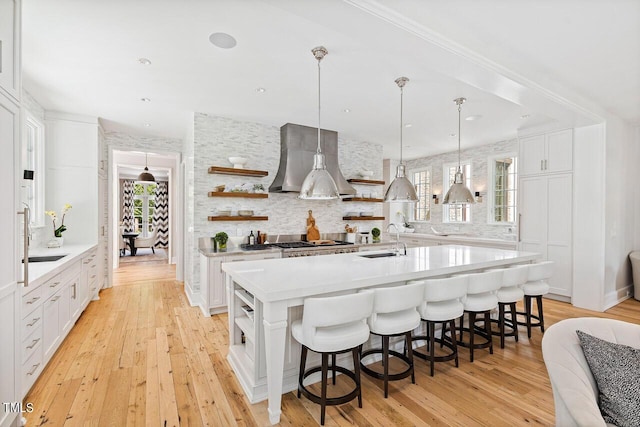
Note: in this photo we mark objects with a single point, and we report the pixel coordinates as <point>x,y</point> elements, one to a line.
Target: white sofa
<point>575,393</point>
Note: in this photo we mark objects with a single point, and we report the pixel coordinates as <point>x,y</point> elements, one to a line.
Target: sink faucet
<point>398,242</point>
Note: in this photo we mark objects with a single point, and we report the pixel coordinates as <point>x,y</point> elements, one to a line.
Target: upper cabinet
<point>548,153</point>
<point>10,48</point>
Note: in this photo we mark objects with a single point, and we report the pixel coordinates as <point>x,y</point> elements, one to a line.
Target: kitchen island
<point>265,296</point>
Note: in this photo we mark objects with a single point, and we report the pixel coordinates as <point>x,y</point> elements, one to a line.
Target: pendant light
<point>458,192</point>
<point>319,185</point>
<point>401,189</point>
<point>146,176</point>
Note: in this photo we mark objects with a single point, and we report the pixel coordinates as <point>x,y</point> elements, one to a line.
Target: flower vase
<point>55,242</point>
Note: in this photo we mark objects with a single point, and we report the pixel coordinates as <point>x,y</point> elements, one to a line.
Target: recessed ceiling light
<point>261,90</point>
<point>474,117</point>
<point>525,116</point>
<point>222,40</point>
<point>408,125</point>
<point>145,100</point>
<point>147,125</point>
<point>346,110</point>
<point>144,61</point>
<point>453,134</point>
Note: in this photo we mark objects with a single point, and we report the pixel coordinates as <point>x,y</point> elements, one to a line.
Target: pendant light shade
<point>319,185</point>
<point>401,189</point>
<point>146,176</point>
<point>458,192</point>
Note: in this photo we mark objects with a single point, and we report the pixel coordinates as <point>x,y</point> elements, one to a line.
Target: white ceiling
<point>563,62</point>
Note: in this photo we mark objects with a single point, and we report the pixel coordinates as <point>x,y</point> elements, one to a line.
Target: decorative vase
<point>55,242</point>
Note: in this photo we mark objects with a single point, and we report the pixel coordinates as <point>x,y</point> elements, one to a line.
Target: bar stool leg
<point>432,354</point>
<point>514,319</point>
<point>303,362</point>
<point>501,321</point>
<point>356,367</point>
<point>385,361</point>
<point>527,310</point>
<point>540,311</point>
<point>333,367</point>
<point>452,330</point>
<point>487,328</point>
<point>407,341</point>
<point>323,395</point>
<point>472,322</point>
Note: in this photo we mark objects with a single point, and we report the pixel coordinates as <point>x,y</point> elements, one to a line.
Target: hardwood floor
<point>142,356</point>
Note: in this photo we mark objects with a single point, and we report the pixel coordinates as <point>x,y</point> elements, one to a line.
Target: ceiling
<point>562,63</point>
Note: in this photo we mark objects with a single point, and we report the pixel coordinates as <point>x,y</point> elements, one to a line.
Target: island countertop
<point>291,278</point>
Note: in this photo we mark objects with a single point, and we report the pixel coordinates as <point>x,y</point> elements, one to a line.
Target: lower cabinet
<point>213,296</point>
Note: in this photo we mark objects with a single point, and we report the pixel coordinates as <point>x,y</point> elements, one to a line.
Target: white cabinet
<point>90,281</point>
<point>545,224</point>
<point>10,48</point>
<point>550,153</point>
<point>212,279</point>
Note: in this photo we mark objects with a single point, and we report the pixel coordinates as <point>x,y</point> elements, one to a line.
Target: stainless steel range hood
<point>298,144</point>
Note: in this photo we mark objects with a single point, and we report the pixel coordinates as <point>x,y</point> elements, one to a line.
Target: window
<point>144,202</point>
<point>458,212</point>
<point>504,182</point>
<point>33,160</point>
<point>422,183</point>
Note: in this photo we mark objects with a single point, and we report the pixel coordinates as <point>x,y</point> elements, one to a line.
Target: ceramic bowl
<point>238,162</point>
<point>245,212</point>
<point>366,174</point>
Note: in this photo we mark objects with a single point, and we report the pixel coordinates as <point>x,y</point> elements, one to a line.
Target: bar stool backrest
<point>445,289</point>
<point>487,281</point>
<point>540,271</point>
<point>515,276</point>
<point>326,312</point>
<point>398,298</point>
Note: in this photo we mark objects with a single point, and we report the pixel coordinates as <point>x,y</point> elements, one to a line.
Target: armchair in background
<point>147,242</point>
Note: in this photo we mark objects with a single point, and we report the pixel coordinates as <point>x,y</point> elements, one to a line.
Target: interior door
<point>533,214</point>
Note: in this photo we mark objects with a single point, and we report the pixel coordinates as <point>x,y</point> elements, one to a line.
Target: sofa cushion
<point>616,369</point>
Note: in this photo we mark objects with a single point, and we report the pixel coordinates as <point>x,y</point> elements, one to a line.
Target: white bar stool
<point>394,314</point>
<point>330,326</point>
<point>442,304</point>
<point>508,296</point>
<point>535,287</point>
<point>480,299</point>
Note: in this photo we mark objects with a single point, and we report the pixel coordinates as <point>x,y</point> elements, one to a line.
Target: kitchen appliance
<point>299,248</point>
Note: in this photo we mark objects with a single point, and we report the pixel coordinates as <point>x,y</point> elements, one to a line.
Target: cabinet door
<point>51,325</point>
<point>10,47</point>
<point>74,299</point>
<point>559,237</point>
<point>532,155</point>
<point>533,214</point>
<point>217,294</point>
<point>559,157</point>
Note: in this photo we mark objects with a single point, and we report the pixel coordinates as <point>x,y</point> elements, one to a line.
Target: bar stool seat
<point>442,304</point>
<point>394,314</point>
<point>480,300</point>
<point>330,326</point>
<point>535,287</point>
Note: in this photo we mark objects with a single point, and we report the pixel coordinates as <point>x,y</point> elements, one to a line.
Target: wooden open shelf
<point>238,194</point>
<point>238,218</point>
<point>362,199</point>
<point>234,171</point>
<point>363,218</point>
<point>365,181</point>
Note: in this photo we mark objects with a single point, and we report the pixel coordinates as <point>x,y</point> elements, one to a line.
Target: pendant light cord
<point>459,109</point>
<point>401,122</point>
<point>318,149</point>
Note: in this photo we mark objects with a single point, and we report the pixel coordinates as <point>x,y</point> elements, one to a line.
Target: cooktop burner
<point>293,245</point>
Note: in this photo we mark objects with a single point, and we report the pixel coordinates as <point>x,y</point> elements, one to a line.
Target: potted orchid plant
<point>57,230</point>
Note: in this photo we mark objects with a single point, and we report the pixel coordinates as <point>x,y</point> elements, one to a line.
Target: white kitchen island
<point>266,296</point>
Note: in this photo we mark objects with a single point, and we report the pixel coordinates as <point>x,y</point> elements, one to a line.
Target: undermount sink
<point>380,255</point>
<point>45,258</point>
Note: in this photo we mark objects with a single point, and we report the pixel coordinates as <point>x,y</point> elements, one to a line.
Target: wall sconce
<point>478,197</point>
<point>435,199</point>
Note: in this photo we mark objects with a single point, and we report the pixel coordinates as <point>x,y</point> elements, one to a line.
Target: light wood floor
<point>142,356</point>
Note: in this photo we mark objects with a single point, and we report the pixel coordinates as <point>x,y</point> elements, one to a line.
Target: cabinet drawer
<point>31,321</point>
<point>32,343</point>
<point>31,300</point>
<point>31,368</point>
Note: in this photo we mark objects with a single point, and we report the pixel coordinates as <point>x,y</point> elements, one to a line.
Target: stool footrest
<point>397,376</point>
<point>445,343</point>
<point>337,400</point>
<point>478,333</point>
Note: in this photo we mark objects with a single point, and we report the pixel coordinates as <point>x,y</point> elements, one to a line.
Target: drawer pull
<point>34,369</point>
<point>33,343</point>
<point>32,300</point>
<point>93,277</point>
<point>54,285</point>
<point>57,297</point>
<point>87,261</point>
<point>33,322</point>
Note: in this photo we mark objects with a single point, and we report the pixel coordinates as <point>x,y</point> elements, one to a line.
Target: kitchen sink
<point>45,258</point>
<point>380,255</point>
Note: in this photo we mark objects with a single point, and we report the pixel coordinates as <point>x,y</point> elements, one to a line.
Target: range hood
<point>298,144</point>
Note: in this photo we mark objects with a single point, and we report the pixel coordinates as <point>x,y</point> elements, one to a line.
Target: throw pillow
<point>616,369</point>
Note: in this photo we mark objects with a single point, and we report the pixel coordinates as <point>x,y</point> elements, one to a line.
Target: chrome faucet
<point>398,242</point>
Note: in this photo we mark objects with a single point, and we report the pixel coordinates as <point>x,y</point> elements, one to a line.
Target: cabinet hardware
<point>25,263</point>
<point>34,369</point>
<point>32,300</point>
<point>93,277</point>
<point>74,291</point>
<point>57,297</point>
<point>519,226</point>
<point>541,165</point>
<point>33,343</point>
<point>54,285</point>
<point>545,164</point>
<point>33,322</point>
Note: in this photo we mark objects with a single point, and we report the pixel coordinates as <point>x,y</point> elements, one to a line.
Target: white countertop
<point>40,272</point>
<point>453,238</point>
<point>288,278</point>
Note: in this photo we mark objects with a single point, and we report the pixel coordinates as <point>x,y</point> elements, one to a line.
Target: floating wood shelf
<point>365,181</point>
<point>363,218</point>
<point>238,194</point>
<point>238,218</point>
<point>362,199</point>
<point>234,171</point>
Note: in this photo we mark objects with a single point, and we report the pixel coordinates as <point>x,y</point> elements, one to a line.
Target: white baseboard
<point>616,297</point>
<point>192,296</point>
